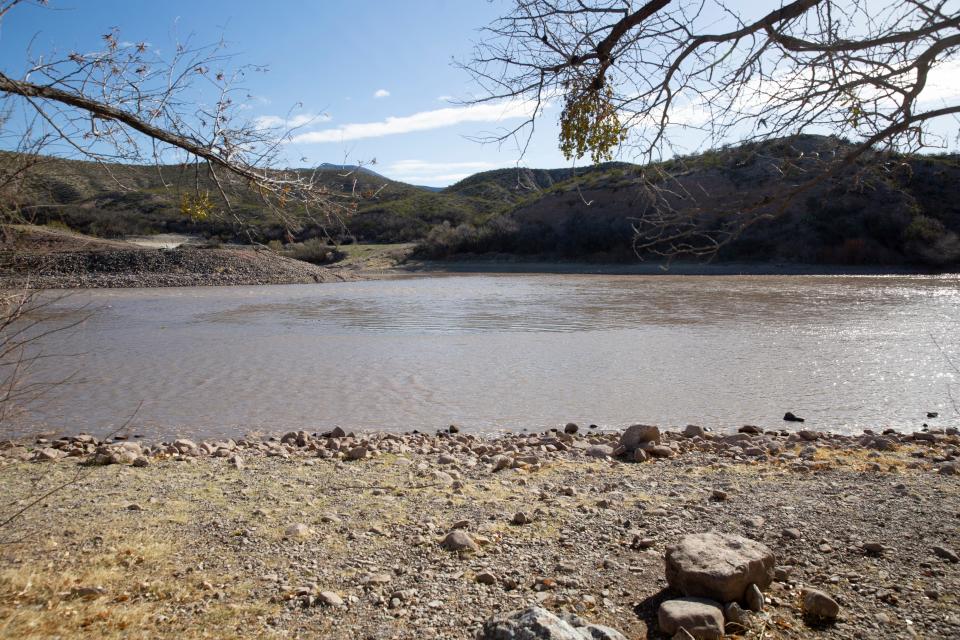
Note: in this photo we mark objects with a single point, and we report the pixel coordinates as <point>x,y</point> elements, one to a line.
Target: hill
<point>885,209</point>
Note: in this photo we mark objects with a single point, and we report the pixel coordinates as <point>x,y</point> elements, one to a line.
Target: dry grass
<point>91,568</point>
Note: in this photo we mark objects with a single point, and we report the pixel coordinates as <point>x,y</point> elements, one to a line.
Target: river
<point>508,352</point>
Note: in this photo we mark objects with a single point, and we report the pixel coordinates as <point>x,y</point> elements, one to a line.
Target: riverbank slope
<point>46,258</point>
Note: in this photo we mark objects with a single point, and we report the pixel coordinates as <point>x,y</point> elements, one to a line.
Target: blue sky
<point>374,77</point>
<point>385,65</point>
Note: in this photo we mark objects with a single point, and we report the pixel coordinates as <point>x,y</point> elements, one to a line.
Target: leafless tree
<point>126,103</point>
<point>632,76</point>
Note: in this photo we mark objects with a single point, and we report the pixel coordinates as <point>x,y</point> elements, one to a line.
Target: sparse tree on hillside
<point>634,75</point>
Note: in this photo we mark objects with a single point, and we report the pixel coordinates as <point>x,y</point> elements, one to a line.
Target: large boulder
<point>638,435</point>
<point>718,566</point>
<point>701,618</point>
<point>536,623</point>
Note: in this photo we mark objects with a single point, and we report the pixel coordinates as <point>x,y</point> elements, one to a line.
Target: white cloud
<point>441,180</point>
<point>434,173</point>
<point>942,85</point>
<point>422,121</point>
<point>444,98</point>
<point>422,166</point>
<point>291,122</point>
<point>381,93</point>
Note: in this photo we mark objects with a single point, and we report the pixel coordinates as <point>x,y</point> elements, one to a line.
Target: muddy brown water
<point>510,352</point>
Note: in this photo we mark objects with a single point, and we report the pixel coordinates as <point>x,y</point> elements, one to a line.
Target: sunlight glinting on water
<point>512,352</point>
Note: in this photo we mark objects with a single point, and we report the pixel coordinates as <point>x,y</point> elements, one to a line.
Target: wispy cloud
<point>434,173</point>
<point>290,122</point>
<point>381,93</point>
<point>422,121</point>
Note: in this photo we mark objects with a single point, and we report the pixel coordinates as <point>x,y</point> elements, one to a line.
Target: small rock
<point>599,451</point>
<point>141,461</point>
<point>791,534</point>
<point>536,623</point>
<point>459,540</point>
<point>639,434</point>
<point>718,494</point>
<point>520,518</point>
<point>660,451</point>
<point>486,577</point>
<point>873,548</point>
<point>693,431</point>
<point>819,605</point>
<point>754,599</point>
<point>87,593</point>
<point>47,454</point>
<point>357,453</point>
<point>736,617</point>
<point>699,617</point>
<point>571,428</point>
<point>297,531</point>
<point>946,553</point>
<point>789,417</point>
<point>330,599</point>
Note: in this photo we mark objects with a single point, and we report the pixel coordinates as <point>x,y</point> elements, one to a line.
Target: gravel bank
<point>429,536</point>
<point>141,267</point>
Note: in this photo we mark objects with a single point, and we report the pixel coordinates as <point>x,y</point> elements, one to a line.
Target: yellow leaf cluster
<point>196,207</point>
<point>589,123</point>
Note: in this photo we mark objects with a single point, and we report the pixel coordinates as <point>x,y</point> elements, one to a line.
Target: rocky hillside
<point>885,209</point>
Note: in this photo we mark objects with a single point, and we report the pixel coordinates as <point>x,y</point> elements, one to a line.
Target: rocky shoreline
<point>568,534</point>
